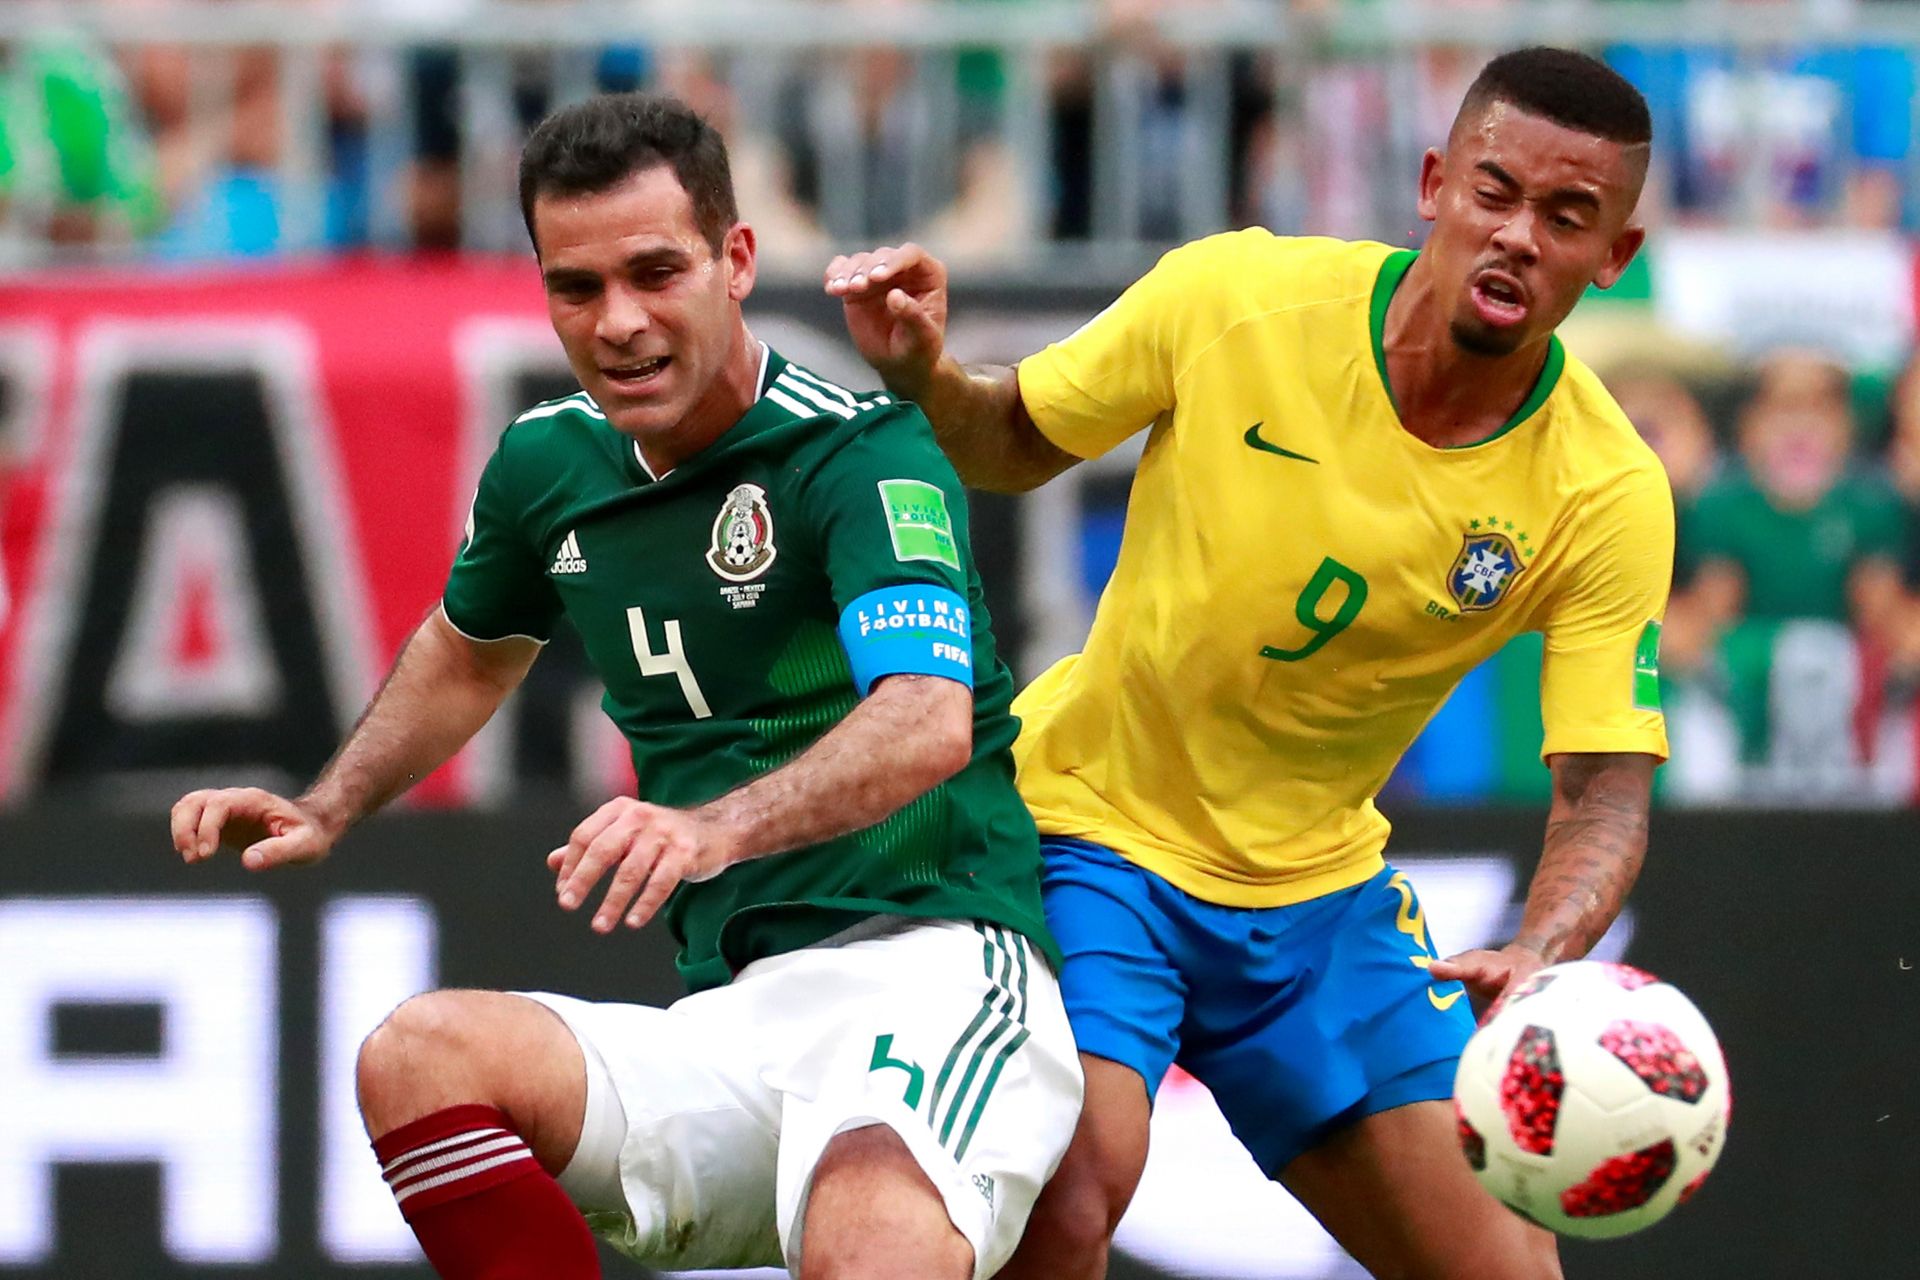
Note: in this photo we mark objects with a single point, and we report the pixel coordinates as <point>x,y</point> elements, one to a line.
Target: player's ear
<point>1619,254</point>
<point>1433,169</point>
<point>740,253</point>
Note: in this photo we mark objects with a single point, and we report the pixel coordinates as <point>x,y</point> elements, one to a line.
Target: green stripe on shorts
<point>986,1090</point>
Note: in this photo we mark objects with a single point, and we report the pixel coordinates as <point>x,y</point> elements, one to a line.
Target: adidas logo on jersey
<point>569,560</point>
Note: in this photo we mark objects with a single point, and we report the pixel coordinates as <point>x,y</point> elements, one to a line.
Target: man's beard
<point>1481,342</point>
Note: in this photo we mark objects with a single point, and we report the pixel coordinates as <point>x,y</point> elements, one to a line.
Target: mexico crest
<point>1486,566</point>
<point>742,546</point>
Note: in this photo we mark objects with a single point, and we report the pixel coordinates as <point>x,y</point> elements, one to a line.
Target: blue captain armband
<point>916,629</point>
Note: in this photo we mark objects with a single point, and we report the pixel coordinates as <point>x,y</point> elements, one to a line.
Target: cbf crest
<point>1489,561</point>
<point>743,547</point>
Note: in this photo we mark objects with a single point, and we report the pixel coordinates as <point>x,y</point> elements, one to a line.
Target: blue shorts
<point>1300,1019</point>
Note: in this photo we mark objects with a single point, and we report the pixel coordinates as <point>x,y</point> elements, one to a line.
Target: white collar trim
<point>760,390</point>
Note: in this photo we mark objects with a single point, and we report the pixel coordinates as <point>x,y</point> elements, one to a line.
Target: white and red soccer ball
<point>1594,1101</point>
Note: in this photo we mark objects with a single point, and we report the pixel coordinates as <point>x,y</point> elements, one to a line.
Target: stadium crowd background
<point>1035,142</point>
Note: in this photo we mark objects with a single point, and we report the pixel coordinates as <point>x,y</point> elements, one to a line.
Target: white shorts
<point>950,1033</point>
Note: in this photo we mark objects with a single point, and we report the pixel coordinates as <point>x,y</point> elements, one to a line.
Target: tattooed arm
<point>1596,838</point>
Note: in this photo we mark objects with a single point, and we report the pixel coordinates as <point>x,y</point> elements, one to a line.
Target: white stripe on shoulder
<point>832,389</point>
<point>792,406</point>
<point>827,404</point>
<point>581,403</point>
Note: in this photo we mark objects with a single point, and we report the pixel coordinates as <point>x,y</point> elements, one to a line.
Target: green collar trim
<point>1392,272</point>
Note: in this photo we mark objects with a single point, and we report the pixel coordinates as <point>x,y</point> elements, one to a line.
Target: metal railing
<point>1088,147</point>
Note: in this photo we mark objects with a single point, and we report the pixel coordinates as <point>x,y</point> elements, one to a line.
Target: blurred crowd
<point>190,152</point>
<point>1792,642</point>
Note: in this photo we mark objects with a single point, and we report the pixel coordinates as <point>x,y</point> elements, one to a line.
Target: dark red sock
<point>481,1205</point>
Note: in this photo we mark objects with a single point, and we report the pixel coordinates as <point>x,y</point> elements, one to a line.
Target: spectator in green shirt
<point>1903,454</point>
<point>1902,465</point>
<point>1796,532</point>
<point>75,165</point>
<point>1669,417</point>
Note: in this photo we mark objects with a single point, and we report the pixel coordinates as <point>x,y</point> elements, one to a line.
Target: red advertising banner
<point>226,499</point>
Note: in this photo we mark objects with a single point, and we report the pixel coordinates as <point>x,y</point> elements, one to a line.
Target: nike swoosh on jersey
<point>1253,438</point>
<point>1444,1003</point>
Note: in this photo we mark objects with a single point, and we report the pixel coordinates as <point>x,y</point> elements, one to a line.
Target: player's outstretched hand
<point>269,830</point>
<point>1488,975</point>
<point>650,849</point>
<point>896,309</point>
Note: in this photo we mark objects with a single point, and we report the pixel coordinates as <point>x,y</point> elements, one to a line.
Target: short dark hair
<point>1571,89</point>
<point>598,144</point>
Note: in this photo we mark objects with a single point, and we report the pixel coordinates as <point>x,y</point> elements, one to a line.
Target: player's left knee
<point>1075,1216</point>
<point>874,1215</point>
<point>409,1052</point>
<point>891,1259</point>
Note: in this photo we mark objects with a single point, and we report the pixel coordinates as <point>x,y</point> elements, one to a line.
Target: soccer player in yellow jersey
<point>1366,470</point>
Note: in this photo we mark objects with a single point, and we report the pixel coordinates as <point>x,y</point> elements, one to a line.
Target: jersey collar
<point>767,373</point>
<point>1392,272</point>
<point>760,413</point>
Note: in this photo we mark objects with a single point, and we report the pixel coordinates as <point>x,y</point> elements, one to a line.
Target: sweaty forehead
<point>649,209</point>
<point>1541,154</point>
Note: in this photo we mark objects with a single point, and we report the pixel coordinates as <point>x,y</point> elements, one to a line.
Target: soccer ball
<point>1595,1100</point>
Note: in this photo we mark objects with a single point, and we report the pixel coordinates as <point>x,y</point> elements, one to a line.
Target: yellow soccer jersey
<point>1302,582</point>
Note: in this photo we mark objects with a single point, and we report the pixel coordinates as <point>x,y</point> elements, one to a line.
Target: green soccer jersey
<point>1797,562</point>
<point>737,608</point>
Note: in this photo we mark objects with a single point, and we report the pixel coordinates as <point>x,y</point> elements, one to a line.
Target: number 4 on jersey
<point>671,663</point>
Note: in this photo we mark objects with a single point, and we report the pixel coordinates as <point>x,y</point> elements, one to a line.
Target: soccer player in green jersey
<point>874,1075</point>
